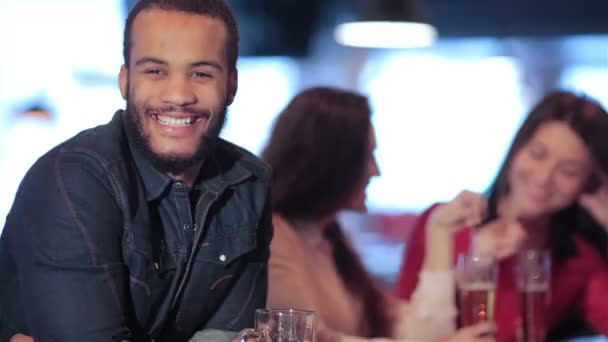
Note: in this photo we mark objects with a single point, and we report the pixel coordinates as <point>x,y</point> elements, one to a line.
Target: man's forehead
<point>178,35</point>
<point>168,18</point>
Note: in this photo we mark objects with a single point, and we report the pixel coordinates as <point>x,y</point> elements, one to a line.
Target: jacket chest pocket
<point>231,232</point>
<point>151,275</point>
<point>218,256</point>
<point>218,263</point>
<point>225,244</point>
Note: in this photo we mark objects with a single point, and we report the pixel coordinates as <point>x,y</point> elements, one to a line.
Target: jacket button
<point>186,226</point>
<point>156,266</point>
<point>222,258</point>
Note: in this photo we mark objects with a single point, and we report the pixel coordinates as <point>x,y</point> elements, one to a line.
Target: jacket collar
<point>221,169</point>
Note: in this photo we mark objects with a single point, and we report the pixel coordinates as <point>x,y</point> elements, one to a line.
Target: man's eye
<point>153,71</point>
<point>201,75</point>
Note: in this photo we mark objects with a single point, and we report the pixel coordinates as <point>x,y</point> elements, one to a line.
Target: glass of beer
<point>280,325</point>
<point>533,275</point>
<point>476,279</point>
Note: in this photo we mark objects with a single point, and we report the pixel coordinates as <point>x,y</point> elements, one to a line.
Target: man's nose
<point>178,91</point>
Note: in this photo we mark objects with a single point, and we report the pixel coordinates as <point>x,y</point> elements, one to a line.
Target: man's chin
<point>170,151</point>
<point>173,155</point>
<point>175,161</point>
<point>175,164</point>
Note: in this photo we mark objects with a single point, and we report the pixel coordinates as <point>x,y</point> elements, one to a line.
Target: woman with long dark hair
<point>550,193</point>
<point>321,152</point>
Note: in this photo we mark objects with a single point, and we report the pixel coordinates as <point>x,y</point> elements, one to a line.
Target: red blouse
<point>578,284</point>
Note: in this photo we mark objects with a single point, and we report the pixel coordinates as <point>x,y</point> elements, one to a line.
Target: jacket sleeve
<point>413,258</point>
<point>65,230</point>
<point>431,312</point>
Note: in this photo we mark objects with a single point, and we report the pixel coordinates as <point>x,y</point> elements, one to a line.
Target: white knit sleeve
<point>431,312</point>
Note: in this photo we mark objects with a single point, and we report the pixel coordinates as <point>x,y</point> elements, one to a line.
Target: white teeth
<point>169,121</point>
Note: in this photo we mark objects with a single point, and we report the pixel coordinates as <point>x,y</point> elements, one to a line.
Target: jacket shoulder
<point>245,158</point>
<point>106,142</point>
<point>101,145</point>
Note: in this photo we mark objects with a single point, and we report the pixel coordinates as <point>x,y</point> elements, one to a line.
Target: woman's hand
<point>499,239</point>
<point>481,332</point>
<point>467,209</point>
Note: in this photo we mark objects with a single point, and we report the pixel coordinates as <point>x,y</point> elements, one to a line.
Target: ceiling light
<point>386,24</point>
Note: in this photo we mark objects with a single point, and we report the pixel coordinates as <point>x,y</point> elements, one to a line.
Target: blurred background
<point>444,111</point>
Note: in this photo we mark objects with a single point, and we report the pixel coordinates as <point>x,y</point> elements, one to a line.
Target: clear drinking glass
<point>476,279</point>
<point>533,276</point>
<point>281,325</point>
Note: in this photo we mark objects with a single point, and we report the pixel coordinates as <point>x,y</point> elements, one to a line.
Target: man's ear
<point>123,81</point>
<point>233,82</point>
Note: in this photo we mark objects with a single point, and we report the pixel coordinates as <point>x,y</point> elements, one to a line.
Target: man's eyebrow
<point>153,60</point>
<point>212,64</point>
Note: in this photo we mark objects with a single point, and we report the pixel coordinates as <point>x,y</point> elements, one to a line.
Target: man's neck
<point>188,176</point>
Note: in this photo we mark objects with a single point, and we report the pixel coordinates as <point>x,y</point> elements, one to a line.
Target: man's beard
<point>172,163</point>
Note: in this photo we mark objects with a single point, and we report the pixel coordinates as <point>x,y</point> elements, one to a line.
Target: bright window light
<point>265,87</point>
<point>79,37</point>
<point>385,34</point>
<point>590,80</point>
<point>442,124</point>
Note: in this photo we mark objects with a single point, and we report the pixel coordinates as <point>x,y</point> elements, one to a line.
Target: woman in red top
<point>551,192</point>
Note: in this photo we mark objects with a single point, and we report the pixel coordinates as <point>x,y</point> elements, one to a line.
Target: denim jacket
<point>100,246</point>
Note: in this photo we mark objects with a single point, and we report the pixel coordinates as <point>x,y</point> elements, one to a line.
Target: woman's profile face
<point>357,200</point>
<point>549,172</point>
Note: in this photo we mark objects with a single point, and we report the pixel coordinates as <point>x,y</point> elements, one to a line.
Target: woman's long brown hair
<point>318,152</point>
<point>353,272</point>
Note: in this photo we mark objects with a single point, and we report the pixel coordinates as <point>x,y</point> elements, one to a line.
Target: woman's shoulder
<point>285,236</point>
<point>429,210</point>
<point>280,223</point>
<point>587,252</point>
<point>425,214</point>
<point>282,228</point>
<point>586,260</point>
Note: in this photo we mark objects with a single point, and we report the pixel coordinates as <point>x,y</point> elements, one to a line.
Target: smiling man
<point>150,227</point>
